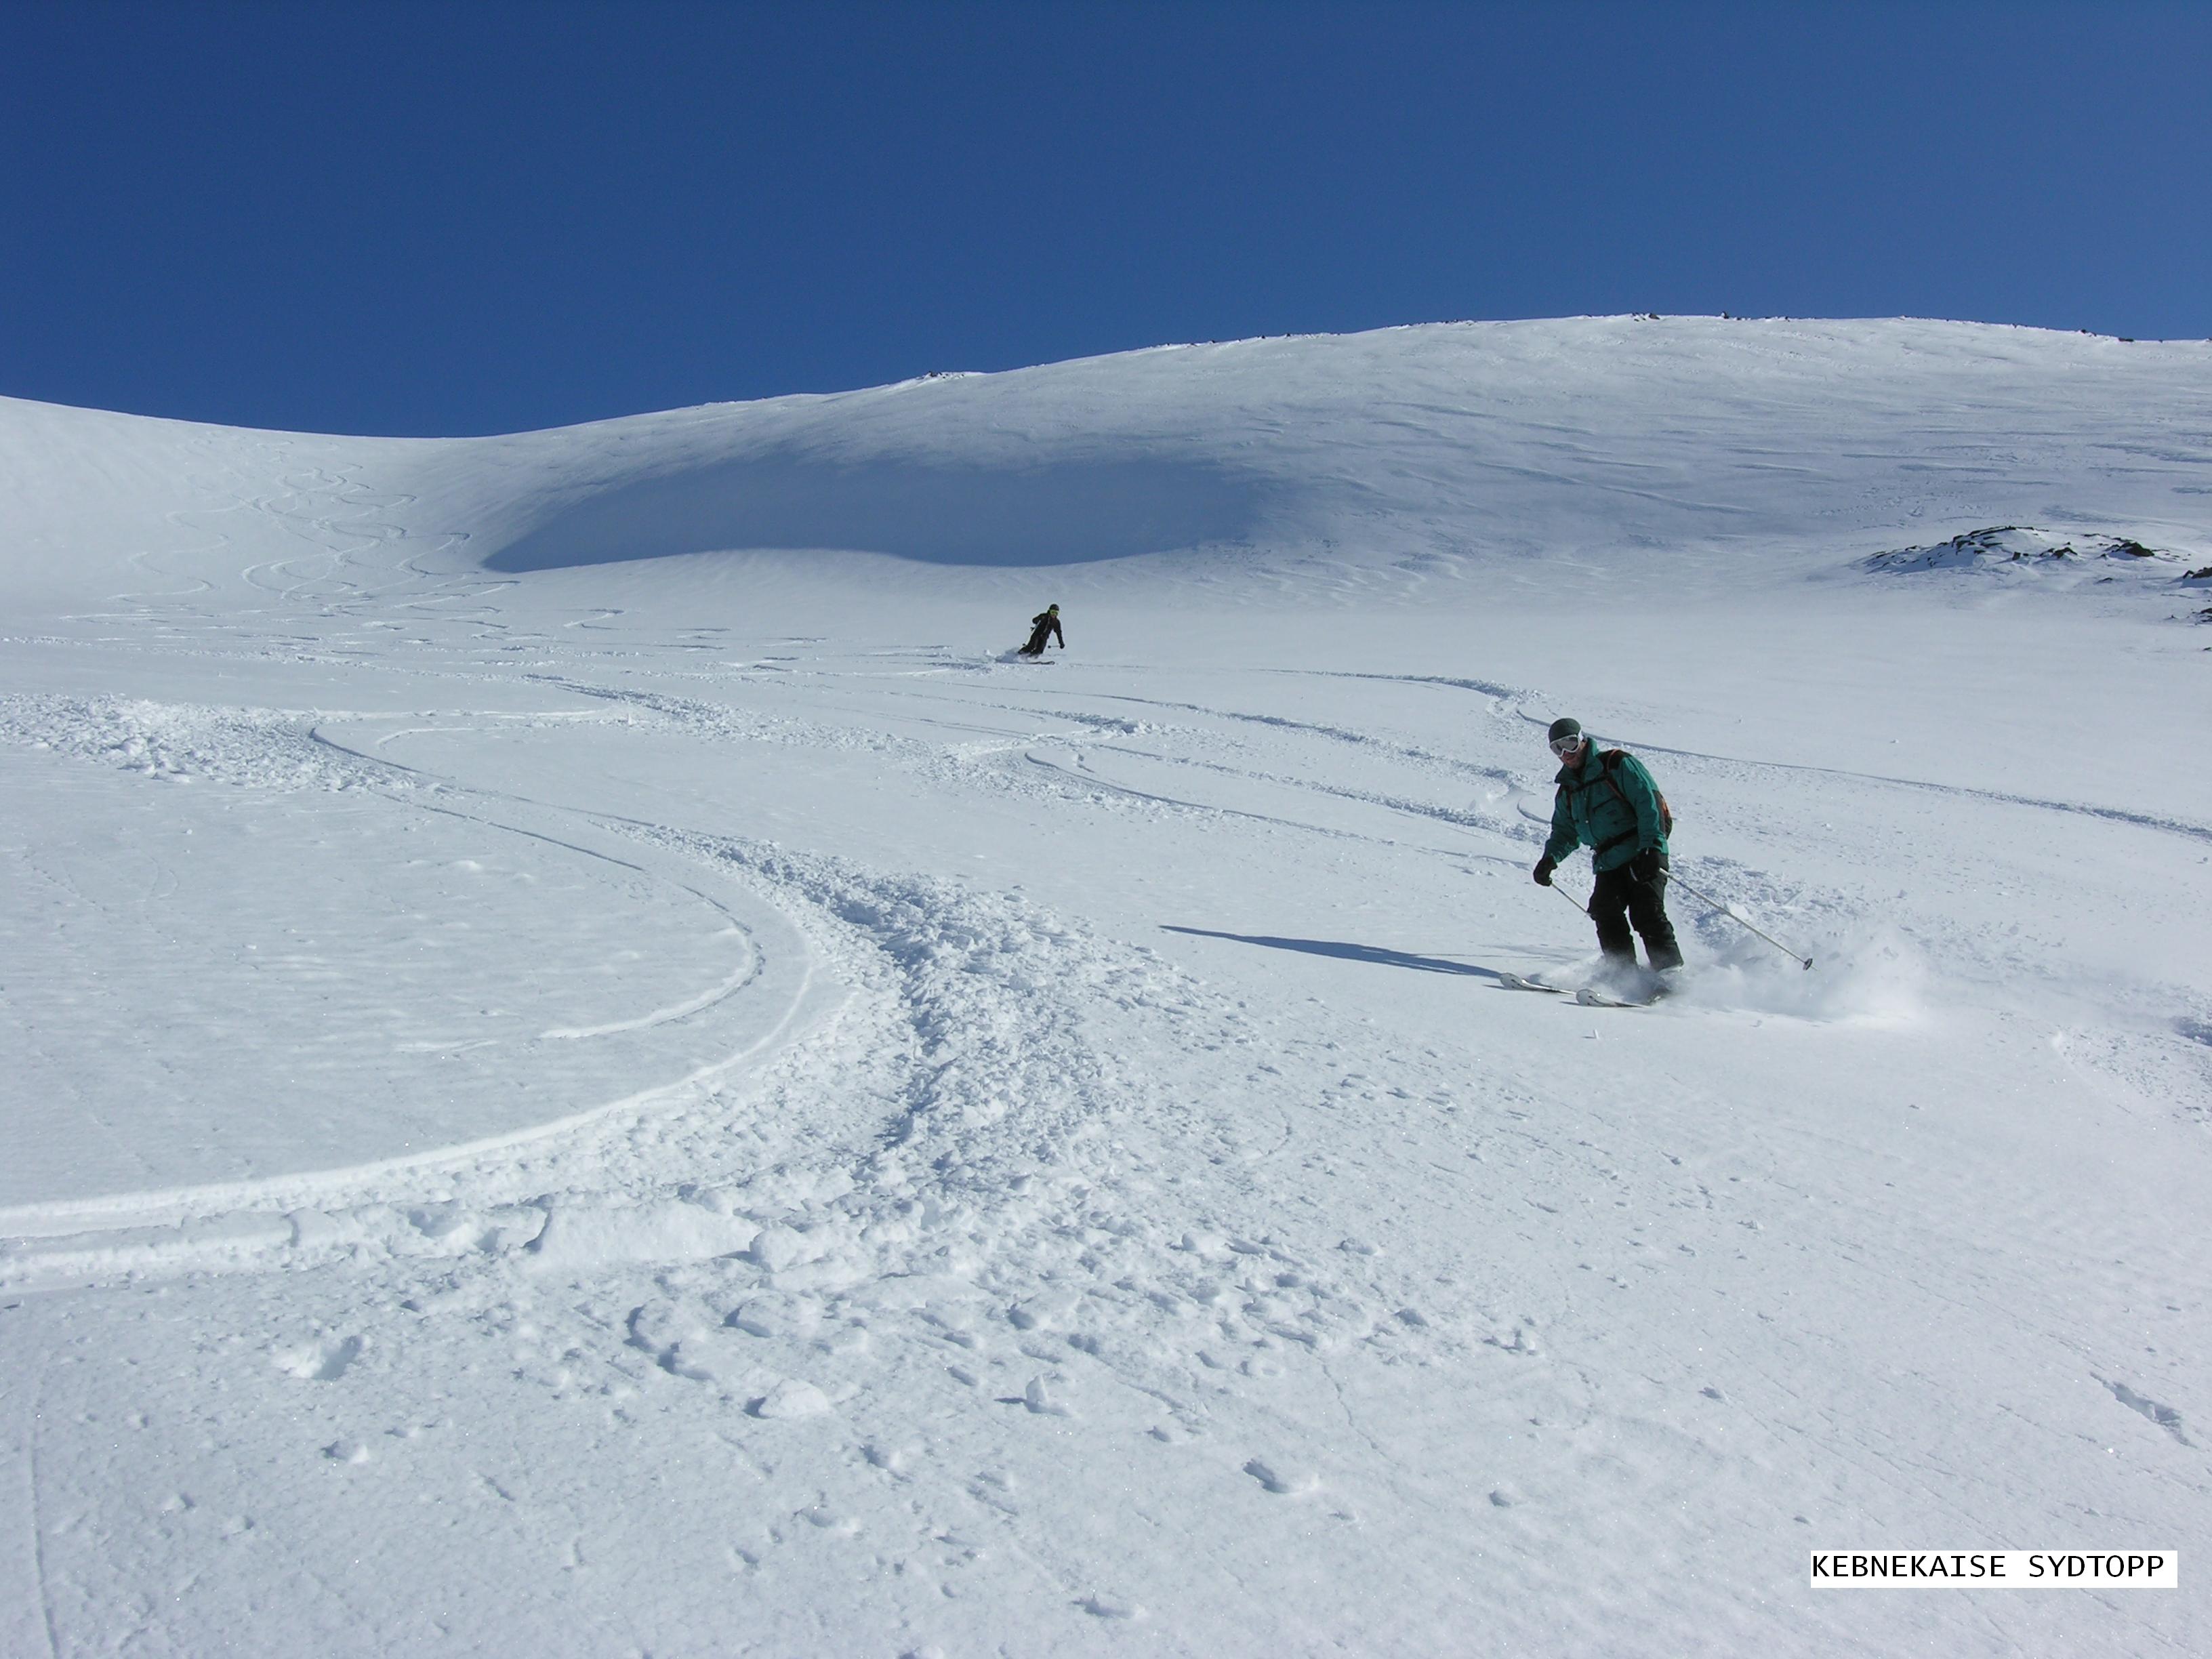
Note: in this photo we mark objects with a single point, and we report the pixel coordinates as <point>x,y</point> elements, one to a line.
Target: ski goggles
<point>1564,747</point>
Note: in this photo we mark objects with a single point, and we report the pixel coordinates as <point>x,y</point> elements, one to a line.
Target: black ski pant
<point>1035,647</point>
<point>1619,900</point>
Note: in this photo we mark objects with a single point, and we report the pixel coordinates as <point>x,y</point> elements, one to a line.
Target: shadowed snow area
<point>594,1066</point>
<point>1045,513</point>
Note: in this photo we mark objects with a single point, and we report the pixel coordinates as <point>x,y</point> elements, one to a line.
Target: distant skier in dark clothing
<point>1607,803</point>
<point>1043,626</point>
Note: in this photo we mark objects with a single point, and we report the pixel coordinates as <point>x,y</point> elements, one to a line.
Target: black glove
<point>1646,865</point>
<point>1544,868</point>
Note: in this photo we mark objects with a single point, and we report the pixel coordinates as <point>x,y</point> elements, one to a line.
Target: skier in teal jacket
<point>1605,801</point>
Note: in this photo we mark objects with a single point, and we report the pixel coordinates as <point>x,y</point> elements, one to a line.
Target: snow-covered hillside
<point>591,1069</point>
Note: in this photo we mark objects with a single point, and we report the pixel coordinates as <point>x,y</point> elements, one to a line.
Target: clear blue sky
<point>474,216</point>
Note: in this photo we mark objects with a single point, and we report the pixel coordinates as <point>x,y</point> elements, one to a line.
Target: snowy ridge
<point>1388,462</point>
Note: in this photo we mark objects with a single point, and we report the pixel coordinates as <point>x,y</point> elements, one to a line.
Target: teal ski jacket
<point>1612,810</point>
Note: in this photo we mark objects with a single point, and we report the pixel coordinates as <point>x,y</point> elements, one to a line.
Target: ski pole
<point>1727,911</point>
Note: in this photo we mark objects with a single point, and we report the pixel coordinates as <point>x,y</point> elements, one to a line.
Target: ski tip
<point>1522,982</point>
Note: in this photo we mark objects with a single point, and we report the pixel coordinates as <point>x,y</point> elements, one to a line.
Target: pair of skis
<point>1589,996</point>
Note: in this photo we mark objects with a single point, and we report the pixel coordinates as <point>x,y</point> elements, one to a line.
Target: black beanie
<point>1563,727</point>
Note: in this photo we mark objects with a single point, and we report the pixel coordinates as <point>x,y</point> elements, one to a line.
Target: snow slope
<point>591,1069</point>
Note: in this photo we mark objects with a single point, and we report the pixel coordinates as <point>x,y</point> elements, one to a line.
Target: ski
<point>1522,982</point>
<point>1587,995</point>
<point>1589,998</point>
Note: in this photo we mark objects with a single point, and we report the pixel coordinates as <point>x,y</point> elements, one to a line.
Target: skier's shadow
<point>1349,952</point>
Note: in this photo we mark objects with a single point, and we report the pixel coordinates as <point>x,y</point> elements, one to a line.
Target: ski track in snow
<point>956,1186</point>
<point>890,937</point>
<point>267,748</point>
<point>990,1211</point>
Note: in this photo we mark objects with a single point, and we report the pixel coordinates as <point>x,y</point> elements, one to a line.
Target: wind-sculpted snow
<point>694,1104</point>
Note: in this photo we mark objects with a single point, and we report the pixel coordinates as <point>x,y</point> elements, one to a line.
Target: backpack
<point>1609,760</point>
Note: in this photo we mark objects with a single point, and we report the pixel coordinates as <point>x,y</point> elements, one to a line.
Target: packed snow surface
<point>592,1067</point>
